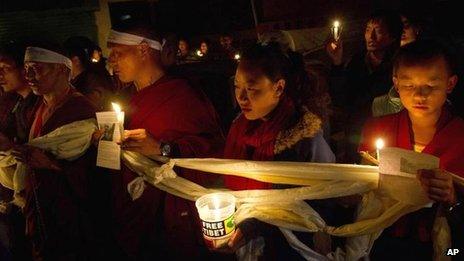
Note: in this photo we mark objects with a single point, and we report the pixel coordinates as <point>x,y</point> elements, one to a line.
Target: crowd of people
<point>403,85</point>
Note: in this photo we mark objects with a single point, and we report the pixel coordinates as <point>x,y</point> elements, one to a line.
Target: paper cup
<point>216,211</point>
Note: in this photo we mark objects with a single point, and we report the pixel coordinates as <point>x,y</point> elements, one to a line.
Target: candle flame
<point>116,107</point>
<point>199,53</point>
<point>237,56</point>
<point>336,23</point>
<point>379,143</point>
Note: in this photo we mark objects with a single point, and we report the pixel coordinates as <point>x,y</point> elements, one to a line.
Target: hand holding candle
<point>334,46</point>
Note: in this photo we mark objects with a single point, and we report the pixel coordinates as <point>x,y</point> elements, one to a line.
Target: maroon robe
<point>57,217</point>
<point>171,111</point>
<point>447,144</point>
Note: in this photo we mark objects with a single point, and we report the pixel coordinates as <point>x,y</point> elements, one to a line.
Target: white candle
<point>216,208</point>
<point>119,113</point>
<point>120,117</point>
<point>336,30</point>
<point>379,144</point>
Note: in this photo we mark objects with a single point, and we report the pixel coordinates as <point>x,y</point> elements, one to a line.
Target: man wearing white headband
<point>168,118</point>
<point>54,190</point>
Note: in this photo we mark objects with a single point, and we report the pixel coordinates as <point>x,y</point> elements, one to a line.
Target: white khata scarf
<point>132,39</point>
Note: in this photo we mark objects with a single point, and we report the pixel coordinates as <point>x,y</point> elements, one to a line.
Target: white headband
<point>36,54</point>
<point>132,39</point>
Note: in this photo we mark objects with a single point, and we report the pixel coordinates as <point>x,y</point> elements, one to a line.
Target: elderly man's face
<point>43,77</point>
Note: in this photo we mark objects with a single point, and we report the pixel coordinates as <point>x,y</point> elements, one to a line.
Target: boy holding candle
<point>424,75</point>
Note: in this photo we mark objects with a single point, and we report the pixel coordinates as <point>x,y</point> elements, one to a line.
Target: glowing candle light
<point>120,117</point>
<point>237,56</point>
<point>379,144</point>
<point>199,53</point>
<point>336,30</point>
<point>119,112</point>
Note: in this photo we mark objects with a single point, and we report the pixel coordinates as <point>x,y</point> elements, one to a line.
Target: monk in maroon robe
<point>423,76</point>
<point>56,191</point>
<point>167,117</point>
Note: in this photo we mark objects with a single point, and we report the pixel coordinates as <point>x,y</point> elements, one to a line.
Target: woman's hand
<point>34,157</point>
<point>438,185</point>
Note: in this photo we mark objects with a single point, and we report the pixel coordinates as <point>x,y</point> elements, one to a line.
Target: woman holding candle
<point>281,120</point>
<point>423,75</point>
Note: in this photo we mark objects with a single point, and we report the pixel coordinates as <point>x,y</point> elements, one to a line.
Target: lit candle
<point>119,113</point>
<point>379,144</point>
<point>216,212</point>
<point>336,30</point>
<point>120,117</point>
<point>199,53</point>
<point>237,56</point>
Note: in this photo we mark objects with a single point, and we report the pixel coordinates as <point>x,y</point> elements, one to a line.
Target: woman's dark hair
<point>276,64</point>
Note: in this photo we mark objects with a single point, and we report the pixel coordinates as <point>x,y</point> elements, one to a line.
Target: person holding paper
<point>56,191</point>
<point>167,117</point>
<point>281,120</point>
<point>424,74</point>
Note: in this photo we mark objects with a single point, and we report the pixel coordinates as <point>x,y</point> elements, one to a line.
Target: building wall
<point>56,25</point>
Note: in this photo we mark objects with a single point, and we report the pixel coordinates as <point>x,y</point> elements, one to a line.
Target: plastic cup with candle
<point>216,211</point>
